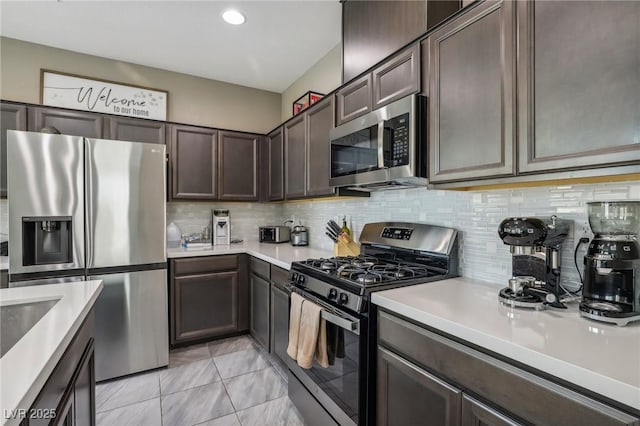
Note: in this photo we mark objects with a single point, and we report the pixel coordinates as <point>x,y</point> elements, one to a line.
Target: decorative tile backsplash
<point>476,214</point>
<point>245,218</point>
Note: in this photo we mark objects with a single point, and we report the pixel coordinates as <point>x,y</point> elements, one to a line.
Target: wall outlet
<point>581,230</point>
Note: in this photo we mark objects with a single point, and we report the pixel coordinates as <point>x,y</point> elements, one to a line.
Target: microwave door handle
<point>352,326</point>
<point>381,144</point>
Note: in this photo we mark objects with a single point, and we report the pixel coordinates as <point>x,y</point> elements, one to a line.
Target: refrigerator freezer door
<point>125,203</point>
<point>131,327</point>
<point>45,180</point>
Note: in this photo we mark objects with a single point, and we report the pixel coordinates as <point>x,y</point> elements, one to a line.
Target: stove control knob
<point>333,294</point>
<point>343,299</point>
<point>301,279</point>
<point>294,277</point>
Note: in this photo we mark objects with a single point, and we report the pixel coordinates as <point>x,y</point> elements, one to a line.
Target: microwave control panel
<point>397,233</point>
<point>399,129</point>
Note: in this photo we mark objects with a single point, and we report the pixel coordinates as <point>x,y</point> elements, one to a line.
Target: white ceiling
<point>278,43</point>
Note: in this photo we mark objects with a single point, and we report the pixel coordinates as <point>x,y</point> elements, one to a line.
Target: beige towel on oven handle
<point>294,324</point>
<point>308,336</point>
<point>322,355</point>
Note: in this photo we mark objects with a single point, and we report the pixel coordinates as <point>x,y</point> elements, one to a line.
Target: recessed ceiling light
<point>233,17</point>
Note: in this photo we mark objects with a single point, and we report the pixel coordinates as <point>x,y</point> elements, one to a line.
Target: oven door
<point>340,388</point>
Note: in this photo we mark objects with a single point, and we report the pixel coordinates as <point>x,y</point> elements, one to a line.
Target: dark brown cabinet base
<point>259,276</point>
<point>280,298</point>
<point>68,397</point>
<point>208,298</point>
<point>451,384</point>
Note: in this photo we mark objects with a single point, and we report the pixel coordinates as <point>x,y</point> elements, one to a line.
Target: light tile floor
<point>229,382</point>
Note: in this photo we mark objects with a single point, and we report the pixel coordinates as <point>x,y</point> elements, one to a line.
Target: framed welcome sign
<point>81,93</point>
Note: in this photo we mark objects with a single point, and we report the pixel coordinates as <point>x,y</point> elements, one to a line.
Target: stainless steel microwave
<point>384,149</point>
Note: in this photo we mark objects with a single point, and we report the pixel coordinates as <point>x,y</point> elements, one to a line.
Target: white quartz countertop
<point>600,357</point>
<point>278,254</point>
<point>4,263</point>
<point>25,368</point>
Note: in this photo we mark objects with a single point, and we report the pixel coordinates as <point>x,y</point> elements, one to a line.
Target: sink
<point>17,319</point>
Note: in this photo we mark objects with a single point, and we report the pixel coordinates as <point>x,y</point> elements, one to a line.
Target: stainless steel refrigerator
<point>95,209</point>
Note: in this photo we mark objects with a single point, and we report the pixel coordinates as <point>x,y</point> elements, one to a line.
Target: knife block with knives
<point>343,243</point>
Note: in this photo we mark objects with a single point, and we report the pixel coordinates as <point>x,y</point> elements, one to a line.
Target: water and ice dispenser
<point>46,240</point>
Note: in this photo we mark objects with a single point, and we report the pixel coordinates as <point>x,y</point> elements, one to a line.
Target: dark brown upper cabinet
<point>275,164</point>
<point>238,166</point>
<point>193,162</point>
<point>578,84</point>
<point>354,99</point>
<point>397,77</point>
<point>295,157</point>
<point>14,117</point>
<point>75,123</point>
<point>135,130</point>
<point>373,30</point>
<point>472,96</point>
<point>320,120</point>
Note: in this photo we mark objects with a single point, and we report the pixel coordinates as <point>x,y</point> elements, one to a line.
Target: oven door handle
<point>352,326</point>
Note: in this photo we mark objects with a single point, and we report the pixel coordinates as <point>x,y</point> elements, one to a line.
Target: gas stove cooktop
<point>369,271</point>
<point>394,254</point>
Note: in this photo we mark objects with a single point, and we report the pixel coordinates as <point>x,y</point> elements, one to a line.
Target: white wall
<point>323,77</point>
<point>476,214</point>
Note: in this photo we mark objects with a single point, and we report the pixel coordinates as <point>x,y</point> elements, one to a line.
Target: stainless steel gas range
<point>394,254</point>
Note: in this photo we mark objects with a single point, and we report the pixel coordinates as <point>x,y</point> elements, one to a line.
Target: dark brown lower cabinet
<point>208,298</point>
<point>259,290</point>
<point>408,395</point>
<point>279,323</point>
<point>427,378</point>
<point>68,395</point>
<point>280,298</point>
<point>475,413</point>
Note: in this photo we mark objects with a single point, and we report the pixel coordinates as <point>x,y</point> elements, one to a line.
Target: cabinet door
<point>279,323</point>
<point>320,120</point>
<point>475,413</point>
<point>73,123</point>
<point>64,414</point>
<point>579,84</point>
<point>295,157</point>
<point>85,391</point>
<point>408,395</point>
<point>135,130</point>
<point>472,95</point>
<point>205,306</point>
<point>259,293</point>
<point>354,99</point>
<point>14,117</point>
<point>193,163</point>
<point>276,170</point>
<point>397,77</point>
<point>237,166</point>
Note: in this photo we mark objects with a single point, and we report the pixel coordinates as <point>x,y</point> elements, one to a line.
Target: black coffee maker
<point>535,245</point>
<point>611,291</point>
